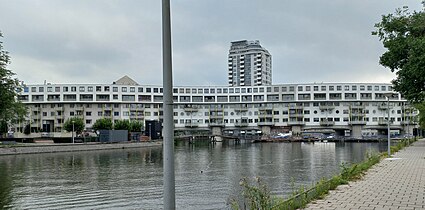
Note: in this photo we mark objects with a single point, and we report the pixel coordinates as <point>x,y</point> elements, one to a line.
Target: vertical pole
<point>388,124</point>
<point>73,131</point>
<point>168,134</point>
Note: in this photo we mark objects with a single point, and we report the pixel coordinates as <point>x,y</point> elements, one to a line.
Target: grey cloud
<point>101,40</point>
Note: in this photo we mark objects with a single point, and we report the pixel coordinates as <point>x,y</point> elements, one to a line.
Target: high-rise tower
<point>249,64</point>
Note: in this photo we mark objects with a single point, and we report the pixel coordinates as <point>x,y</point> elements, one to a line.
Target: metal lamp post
<point>388,95</point>
<point>168,137</point>
<point>73,131</point>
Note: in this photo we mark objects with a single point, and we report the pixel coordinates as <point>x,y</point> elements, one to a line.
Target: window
<point>323,88</point>
<point>90,88</point>
<point>98,88</point>
<point>116,113</point>
<point>41,89</point>
<point>124,89</point>
<point>82,89</point>
<point>140,90</point>
<point>106,88</point>
<point>331,88</point>
<point>300,88</point>
<point>73,89</point>
<point>308,88</point>
<point>353,87</point>
<point>316,88</point>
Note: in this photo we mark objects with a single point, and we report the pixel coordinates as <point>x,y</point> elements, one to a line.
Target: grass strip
<point>257,195</point>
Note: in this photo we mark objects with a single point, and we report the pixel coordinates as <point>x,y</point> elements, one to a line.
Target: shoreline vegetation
<point>256,194</point>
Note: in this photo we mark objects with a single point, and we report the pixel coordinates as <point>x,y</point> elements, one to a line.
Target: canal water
<point>207,176</point>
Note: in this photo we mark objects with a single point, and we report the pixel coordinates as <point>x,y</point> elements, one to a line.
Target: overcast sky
<point>99,41</point>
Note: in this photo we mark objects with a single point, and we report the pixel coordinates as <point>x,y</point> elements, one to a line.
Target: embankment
<point>51,148</point>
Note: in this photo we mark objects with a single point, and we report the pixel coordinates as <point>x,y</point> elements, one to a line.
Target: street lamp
<point>388,95</point>
<point>73,131</point>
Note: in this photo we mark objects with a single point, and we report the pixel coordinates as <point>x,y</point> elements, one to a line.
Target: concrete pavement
<point>394,183</point>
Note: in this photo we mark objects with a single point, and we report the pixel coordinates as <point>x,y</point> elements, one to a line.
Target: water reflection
<point>206,175</point>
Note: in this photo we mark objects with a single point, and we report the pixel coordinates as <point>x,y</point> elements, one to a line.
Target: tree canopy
<point>11,109</point>
<point>403,35</point>
<point>78,124</point>
<point>103,124</point>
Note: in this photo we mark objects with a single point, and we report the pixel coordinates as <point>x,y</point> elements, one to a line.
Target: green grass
<point>257,195</point>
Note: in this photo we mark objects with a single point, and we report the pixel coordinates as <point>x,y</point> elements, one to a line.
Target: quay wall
<point>52,148</point>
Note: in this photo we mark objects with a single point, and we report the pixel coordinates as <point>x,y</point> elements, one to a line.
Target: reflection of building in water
<point>349,109</point>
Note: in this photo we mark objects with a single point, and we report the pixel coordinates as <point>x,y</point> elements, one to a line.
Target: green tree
<point>11,109</point>
<point>403,35</point>
<point>122,125</point>
<point>136,126</point>
<point>77,122</point>
<point>103,124</point>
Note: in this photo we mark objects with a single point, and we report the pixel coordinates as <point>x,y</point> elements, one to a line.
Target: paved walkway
<point>394,183</point>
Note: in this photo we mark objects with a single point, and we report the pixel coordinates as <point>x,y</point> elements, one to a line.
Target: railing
<point>241,124</point>
<point>327,123</point>
<point>296,122</point>
<point>265,123</point>
<point>191,124</point>
<point>357,122</point>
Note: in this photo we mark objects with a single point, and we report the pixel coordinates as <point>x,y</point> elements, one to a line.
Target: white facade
<point>345,108</point>
<point>249,64</point>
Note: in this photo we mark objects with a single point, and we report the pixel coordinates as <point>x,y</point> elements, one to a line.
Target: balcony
<point>326,107</point>
<point>216,116</point>
<point>191,124</point>
<point>357,122</point>
<point>241,124</point>
<point>191,109</point>
<point>265,123</point>
<point>327,123</point>
<point>265,108</point>
<point>384,106</point>
<point>216,124</point>
<point>296,123</point>
<point>407,123</point>
<point>357,114</point>
<point>241,109</point>
<point>357,106</point>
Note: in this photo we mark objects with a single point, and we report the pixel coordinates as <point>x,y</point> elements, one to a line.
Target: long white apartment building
<point>346,109</point>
